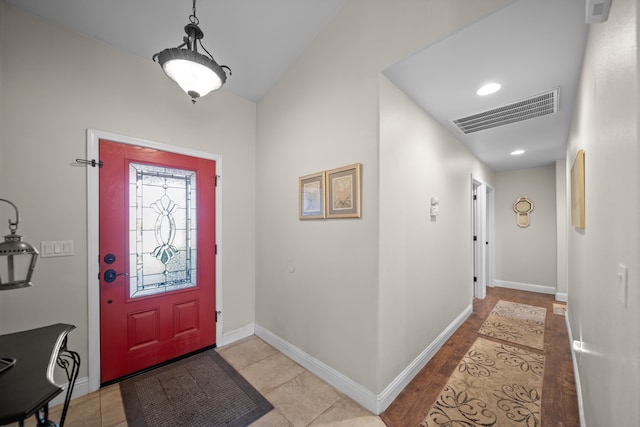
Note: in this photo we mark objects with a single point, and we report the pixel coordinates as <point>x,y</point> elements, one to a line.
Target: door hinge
<point>475,279</point>
<point>217,178</point>
<point>475,238</point>
<point>216,247</point>
<point>218,313</point>
<point>475,197</point>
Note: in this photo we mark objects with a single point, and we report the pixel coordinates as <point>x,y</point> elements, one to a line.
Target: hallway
<point>559,401</point>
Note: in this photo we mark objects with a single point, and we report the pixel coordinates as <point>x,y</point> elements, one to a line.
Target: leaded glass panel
<point>162,229</point>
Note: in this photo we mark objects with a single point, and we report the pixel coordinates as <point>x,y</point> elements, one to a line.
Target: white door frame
<point>482,211</point>
<point>93,266</point>
<point>490,237</point>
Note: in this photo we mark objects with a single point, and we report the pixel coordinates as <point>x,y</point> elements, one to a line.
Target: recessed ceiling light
<point>517,152</point>
<point>488,89</point>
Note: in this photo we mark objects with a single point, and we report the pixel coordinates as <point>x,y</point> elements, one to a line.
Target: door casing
<point>482,220</point>
<point>93,268</point>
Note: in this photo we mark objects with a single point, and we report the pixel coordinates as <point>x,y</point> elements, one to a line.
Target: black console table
<point>27,387</point>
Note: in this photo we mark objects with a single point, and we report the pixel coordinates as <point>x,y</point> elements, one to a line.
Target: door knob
<point>110,275</point>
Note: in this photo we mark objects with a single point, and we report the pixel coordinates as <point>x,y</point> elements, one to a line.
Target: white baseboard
<point>562,297</point>
<point>526,287</point>
<point>576,372</point>
<point>237,334</point>
<point>341,382</point>
<point>375,404</point>
<point>80,388</point>
<point>392,391</point>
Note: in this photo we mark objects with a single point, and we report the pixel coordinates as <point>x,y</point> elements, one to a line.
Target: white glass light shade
<point>192,77</point>
<point>196,74</point>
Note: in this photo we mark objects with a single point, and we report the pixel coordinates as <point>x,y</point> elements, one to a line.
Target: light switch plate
<point>623,283</point>
<point>56,248</point>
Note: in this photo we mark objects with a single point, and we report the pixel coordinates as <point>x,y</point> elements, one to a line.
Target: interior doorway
<point>482,220</point>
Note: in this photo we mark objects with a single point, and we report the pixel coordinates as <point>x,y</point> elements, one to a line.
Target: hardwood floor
<point>559,401</point>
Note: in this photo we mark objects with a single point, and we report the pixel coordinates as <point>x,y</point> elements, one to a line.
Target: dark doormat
<point>201,390</point>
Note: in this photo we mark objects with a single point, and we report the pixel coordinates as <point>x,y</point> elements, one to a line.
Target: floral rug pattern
<point>517,323</point>
<point>559,309</point>
<point>494,385</point>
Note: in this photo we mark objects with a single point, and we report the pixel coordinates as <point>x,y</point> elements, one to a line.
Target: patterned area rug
<point>494,385</point>
<point>559,309</point>
<point>201,390</point>
<point>517,323</point>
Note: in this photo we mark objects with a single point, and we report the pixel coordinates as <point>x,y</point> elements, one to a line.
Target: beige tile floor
<point>299,397</point>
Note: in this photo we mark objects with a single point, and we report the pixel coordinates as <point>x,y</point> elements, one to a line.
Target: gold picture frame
<point>311,192</point>
<point>577,191</point>
<point>343,192</point>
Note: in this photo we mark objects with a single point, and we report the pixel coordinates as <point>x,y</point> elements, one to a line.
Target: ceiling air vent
<point>529,108</point>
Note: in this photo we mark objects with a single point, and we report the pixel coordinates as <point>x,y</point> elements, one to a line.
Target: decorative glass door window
<point>162,229</point>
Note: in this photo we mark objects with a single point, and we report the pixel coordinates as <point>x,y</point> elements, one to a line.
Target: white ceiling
<point>529,46</point>
<point>257,39</point>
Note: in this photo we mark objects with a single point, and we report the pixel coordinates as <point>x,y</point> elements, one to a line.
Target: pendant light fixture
<point>195,73</point>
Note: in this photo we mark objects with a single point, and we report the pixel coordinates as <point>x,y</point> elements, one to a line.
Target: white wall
<point>526,255</point>
<point>425,263</point>
<point>322,114</point>
<point>605,126</point>
<point>562,219</point>
<point>55,84</point>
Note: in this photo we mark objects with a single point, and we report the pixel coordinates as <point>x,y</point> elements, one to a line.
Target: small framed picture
<point>343,192</point>
<point>312,198</point>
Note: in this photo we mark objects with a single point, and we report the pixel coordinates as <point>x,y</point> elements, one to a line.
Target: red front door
<point>157,257</point>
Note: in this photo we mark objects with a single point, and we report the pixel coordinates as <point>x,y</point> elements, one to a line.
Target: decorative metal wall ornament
<point>523,207</point>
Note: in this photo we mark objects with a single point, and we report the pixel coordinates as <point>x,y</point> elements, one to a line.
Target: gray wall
<point>54,85</point>
<point>425,264</point>
<point>605,126</point>
<point>322,114</point>
<point>526,255</point>
<point>562,227</point>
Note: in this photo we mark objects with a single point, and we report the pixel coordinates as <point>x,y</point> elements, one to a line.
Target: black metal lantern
<point>17,258</point>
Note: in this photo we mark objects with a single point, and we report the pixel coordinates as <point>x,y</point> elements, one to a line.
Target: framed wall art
<point>312,196</point>
<point>577,191</point>
<point>343,192</point>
